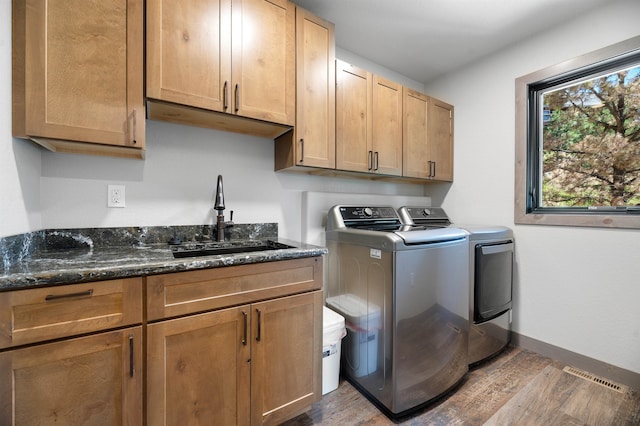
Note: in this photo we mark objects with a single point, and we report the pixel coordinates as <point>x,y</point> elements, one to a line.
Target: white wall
<point>576,288</point>
<point>19,162</point>
<point>176,183</point>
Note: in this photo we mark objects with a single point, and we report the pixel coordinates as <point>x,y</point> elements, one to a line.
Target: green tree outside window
<point>590,150</point>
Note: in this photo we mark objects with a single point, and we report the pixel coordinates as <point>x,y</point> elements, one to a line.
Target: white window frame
<point>523,211</point>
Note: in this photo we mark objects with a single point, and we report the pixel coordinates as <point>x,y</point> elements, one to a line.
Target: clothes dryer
<point>491,262</point>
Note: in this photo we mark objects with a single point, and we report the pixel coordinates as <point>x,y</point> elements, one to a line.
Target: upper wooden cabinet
<point>189,52</point>
<point>387,126</point>
<point>263,60</point>
<point>415,145</point>
<point>440,136</point>
<point>312,141</point>
<point>353,118</point>
<point>235,57</point>
<point>368,122</point>
<point>427,137</point>
<point>78,75</point>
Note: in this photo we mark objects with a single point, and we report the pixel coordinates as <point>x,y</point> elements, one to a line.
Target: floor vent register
<point>594,379</point>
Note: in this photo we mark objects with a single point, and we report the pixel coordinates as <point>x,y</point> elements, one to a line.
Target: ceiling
<point>422,39</point>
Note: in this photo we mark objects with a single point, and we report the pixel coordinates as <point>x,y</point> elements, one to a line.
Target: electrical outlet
<point>115,196</point>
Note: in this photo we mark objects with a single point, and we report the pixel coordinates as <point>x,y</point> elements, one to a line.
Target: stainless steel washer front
<point>404,295</point>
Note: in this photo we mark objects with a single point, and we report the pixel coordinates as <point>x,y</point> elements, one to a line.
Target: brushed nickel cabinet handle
<point>258,336</point>
<point>135,122</point>
<point>225,96</point>
<point>244,335</point>
<point>131,358</point>
<point>301,150</point>
<point>370,160</point>
<point>377,161</point>
<point>237,97</point>
<point>50,297</point>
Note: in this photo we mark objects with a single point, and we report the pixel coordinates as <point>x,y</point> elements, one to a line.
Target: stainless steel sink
<point>218,248</point>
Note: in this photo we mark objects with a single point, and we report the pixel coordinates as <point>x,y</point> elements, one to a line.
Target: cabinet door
<point>189,52</point>
<point>286,361</point>
<point>263,60</point>
<point>440,128</point>
<point>316,85</point>
<point>83,71</point>
<point>415,144</point>
<point>387,126</point>
<point>198,369</point>
<point>353,118</point>
<point>94,380</point>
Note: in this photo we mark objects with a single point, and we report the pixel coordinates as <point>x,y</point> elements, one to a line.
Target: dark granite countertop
<point>33,261</point>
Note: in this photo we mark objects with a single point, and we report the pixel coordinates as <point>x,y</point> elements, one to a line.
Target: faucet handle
<point>229,223</point>
<point>219,205</point>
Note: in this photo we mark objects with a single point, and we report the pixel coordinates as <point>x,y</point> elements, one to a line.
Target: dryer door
<point>493,279</point>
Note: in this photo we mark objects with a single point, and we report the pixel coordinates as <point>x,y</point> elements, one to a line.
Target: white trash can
<point>333,330</point>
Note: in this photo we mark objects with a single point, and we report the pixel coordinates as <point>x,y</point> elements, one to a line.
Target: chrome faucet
<point>219,206</point>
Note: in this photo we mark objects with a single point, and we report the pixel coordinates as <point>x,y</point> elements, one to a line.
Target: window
<point>578,141</point>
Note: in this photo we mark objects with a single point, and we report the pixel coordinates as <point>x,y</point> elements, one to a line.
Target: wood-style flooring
<point>518,387</point>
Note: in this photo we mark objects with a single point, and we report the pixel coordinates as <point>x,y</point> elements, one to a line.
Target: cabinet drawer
<point>183,293</point>
<point>28,316</point>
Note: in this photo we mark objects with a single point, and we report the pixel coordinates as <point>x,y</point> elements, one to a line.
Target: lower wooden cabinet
<point>94,380</point>
<point>198,369</point>
<point>41,314</point>
<point>239,345</point>
<point>286,357</point>
<point>255,364</point>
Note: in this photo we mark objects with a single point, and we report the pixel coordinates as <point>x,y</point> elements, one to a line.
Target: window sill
<point>596,220</point>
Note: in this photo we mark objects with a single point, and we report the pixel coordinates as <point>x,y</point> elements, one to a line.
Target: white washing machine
<point>491,260</point>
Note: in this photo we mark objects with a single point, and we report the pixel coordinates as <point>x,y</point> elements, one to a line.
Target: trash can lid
<point>333,328</point>
<point>353,306</point>
<point>331,318</point>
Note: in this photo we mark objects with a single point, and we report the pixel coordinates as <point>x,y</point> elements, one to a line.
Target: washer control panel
<point>367,213</point>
